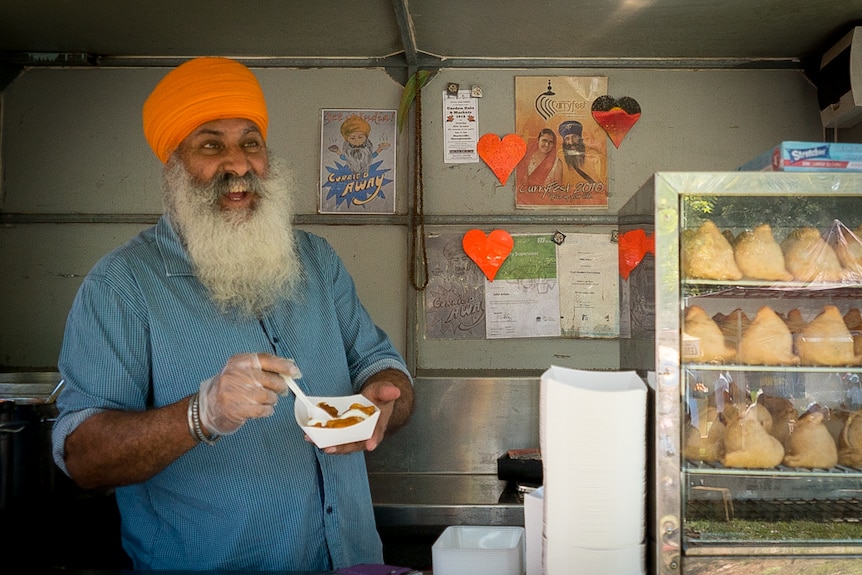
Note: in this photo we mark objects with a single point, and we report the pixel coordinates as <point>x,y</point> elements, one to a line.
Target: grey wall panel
<point>690,120</point>
<point>42,266</point>
<point>462,424</point>
<point>72,145</point>
<point>73,142</point>
<point>295,98</point>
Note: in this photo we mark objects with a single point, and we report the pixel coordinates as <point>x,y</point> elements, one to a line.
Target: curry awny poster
<point>565,164</point>
<point>357,161</point>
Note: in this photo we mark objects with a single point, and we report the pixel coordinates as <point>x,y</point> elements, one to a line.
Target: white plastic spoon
<point>313,411</point>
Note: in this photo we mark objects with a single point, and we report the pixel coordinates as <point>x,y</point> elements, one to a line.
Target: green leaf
<point>414,83</point>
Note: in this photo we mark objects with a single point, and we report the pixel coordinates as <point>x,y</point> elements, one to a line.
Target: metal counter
<point>416,499</point>
<point>441,469</point>
<point>438,470</point>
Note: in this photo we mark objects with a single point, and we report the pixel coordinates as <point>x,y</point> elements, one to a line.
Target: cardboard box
<point>807,157</point>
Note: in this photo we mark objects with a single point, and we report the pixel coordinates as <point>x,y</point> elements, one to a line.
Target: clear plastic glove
<point>245,389</point>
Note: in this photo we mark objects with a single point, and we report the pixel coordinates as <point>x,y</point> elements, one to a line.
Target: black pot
<point>28,473</point>
<point>36,498</point>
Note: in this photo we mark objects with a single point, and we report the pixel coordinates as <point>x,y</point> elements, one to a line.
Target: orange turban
<point>197,92</point>
<point>355,124</point>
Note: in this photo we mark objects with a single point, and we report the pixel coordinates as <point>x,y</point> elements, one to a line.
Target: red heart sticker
<point>616,117</point>
<point>634,245</point>
<point>501,155</point>
<point>489,252</point>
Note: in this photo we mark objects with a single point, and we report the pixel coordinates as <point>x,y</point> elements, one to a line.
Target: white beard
<point>247,260</point>
<point>358,158</point>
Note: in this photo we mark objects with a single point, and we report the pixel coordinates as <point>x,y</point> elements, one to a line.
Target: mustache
<point>224,183</point>
<point>578,146</point>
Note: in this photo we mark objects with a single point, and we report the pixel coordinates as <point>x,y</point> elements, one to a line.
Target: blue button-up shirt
<point>142,333</point>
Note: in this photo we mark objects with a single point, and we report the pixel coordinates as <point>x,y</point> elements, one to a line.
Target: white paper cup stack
<point>592,428</point>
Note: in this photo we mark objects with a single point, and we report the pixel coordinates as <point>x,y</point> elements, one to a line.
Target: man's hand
<point>248,387</point>
<point>391,391</point>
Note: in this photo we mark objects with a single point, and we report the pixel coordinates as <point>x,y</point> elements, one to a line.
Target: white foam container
<point>479,550</point>
<point>534,504</point>
<point>327,437</point>
<point>629,560</point>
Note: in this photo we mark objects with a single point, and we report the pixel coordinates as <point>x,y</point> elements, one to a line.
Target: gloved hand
<point>243,390</point>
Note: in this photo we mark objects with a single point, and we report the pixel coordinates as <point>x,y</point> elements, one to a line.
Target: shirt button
<point>329,508</point>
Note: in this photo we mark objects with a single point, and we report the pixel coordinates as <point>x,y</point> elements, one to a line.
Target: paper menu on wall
<point>523,300</point>
<point>589,286</point>
<point>541,290</point>
<point>455,295</point>
<point>460,128</point>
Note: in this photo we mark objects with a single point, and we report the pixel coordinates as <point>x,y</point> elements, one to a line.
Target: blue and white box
<point>808,157</point>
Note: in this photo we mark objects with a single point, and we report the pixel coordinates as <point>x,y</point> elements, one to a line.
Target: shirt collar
<point>174,254</point>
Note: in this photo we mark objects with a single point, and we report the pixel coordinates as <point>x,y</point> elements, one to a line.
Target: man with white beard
<point>177,342</point>
<point>357,150</point>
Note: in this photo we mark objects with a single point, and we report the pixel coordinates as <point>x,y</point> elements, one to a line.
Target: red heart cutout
<point>501,155</point>
<point>489,252</point>
<point>616,117</point>
<point>634,245</point>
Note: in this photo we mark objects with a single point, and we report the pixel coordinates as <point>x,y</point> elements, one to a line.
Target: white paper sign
<point>460,128</point>
<point>587,267</point>
<point>523,300</point>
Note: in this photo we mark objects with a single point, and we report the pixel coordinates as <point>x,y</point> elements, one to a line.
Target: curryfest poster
<point>565,165</point>
<point>357,161</point>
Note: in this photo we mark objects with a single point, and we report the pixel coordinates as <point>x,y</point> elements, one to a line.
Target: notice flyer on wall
<point>357,161</point>
<point>637,301</point>
<point>455,294</point>
<point>587,266</point>
<point>460,127</point>
<point>523,300</point>
<point>565,165</point>
<point>541,290</point>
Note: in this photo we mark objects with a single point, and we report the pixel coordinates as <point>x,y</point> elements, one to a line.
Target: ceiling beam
<point>416,59</point>
<point>408,33</point>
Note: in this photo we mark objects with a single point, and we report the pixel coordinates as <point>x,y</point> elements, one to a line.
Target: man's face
<point>245,258</point>
<point>572,140</point>
<point>221,148</point>
<point>356,139</point>
<point>573,150</point>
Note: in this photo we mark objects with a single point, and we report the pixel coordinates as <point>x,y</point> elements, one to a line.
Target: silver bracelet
<point>191,419</point>
<point>195,427</point>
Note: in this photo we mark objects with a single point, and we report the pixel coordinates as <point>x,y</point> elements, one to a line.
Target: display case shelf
<point>772,368</point>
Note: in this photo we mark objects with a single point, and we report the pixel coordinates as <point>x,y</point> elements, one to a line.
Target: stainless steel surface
<point>416,499</point>
<point>461,424</point>
<point>26,387</point>
<point>441,469</point>
<point>783,565</point>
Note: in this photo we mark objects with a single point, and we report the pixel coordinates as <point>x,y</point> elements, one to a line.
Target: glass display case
<point>746,307</point>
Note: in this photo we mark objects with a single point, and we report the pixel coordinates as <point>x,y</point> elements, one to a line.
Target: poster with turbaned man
<point>357,162</point>
<point>565,165</point>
